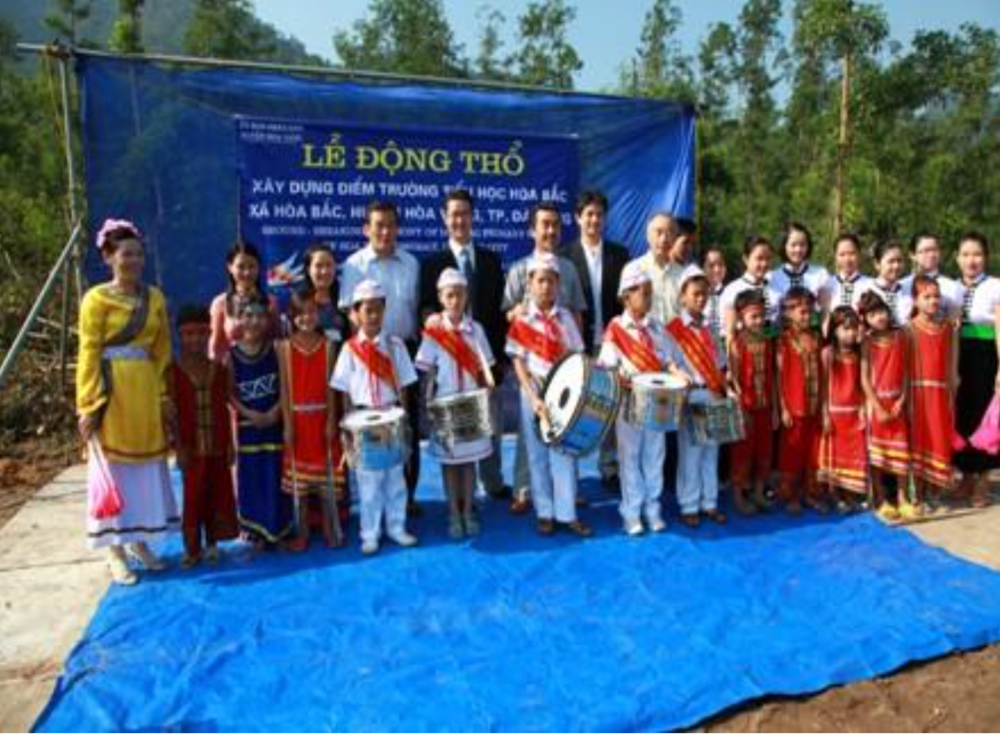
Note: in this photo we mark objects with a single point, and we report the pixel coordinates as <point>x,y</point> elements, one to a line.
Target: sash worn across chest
<point>375,361</point>
<point>698,354</point>
<point>640,354</point>
<point>542,345</point>
<point>458,349</point>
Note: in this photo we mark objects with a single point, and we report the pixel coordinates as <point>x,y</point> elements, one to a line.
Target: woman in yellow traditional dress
<point>121,398</point>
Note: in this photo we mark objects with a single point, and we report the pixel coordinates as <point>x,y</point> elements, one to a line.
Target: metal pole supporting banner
<point>74,263</point>
<point>29,322</point>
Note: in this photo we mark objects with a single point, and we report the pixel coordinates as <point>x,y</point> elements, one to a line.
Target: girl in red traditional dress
<point>312,470</point>
<point>932,394</point>
<point>884,376</point>
<point>751,374</point>
<point>204,442</point>
<point>799,401</point>
<point>843,457</point>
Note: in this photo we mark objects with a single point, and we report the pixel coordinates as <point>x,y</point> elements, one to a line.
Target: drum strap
<point>639,352</point>
<point>699,353</point>
<point>378,364</point>
<point>458,349</point>
<point>536,342</point>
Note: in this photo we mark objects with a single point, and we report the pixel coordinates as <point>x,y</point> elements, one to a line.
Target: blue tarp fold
<point>513,631</point>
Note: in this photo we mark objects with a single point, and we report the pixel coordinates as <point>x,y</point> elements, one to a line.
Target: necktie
<point>368,349</point>
<point>465,263</point>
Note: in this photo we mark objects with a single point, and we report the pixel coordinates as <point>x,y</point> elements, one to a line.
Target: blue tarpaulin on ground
<point>160,148</point>
<point>513,631</point>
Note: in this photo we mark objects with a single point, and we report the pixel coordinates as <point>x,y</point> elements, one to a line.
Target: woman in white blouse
<point>977,362</point>
<point>796,269</point>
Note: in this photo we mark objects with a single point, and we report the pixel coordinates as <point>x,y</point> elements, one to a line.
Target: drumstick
<point>487,371</point>
<point>296,503</point>
<point>331,498</point>
<point>331,490</point>
<point>543,418</point>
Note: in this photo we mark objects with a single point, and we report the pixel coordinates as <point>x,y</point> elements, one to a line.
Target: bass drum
<point>582,400</point>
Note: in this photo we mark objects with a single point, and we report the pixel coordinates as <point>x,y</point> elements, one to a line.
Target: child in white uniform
<point>372,370</point>
<point>692,348</point>
<point>537,339</point>
<point>635,343</point>
<point>456,357</point>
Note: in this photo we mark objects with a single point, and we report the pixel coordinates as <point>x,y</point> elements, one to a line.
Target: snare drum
<point>581,399</point>
<point>377,439</point>
<point>463,425</point>
<point>656,401</point>
<point>716,420</point>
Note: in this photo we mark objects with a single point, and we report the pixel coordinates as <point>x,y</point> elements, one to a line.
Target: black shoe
<point>578,528</point>
<point>504,493</point>
<point>612,484</point>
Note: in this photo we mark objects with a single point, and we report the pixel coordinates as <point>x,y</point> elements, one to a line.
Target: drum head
<point>359,419</point>
<point>703,396</point>
<point>564,389</point>
<point>659,380</point>
<point>460,397</point>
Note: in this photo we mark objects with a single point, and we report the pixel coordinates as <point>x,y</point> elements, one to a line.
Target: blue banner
<point>302,183</point>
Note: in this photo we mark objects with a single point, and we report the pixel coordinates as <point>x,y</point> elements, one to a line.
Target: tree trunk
<point>843,142</point>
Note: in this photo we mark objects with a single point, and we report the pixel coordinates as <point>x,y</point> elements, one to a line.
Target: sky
<point>605,34</point>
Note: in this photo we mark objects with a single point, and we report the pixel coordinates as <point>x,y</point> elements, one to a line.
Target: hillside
<point>164,24</point>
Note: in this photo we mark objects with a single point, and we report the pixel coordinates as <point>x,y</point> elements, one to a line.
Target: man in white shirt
<point>599,264</point>
<point>668,255</point>
<point>397,272</point>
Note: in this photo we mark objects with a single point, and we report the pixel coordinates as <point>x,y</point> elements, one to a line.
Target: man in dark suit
<point>484,271</point>
<point>600,265</point>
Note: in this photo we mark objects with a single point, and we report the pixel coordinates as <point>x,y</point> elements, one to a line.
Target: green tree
<point>228,29</point>
<point>126,33</point>
<point>66,17</point>
<point>402,37</point>
<point>544,56</point>
<point>715,135</point>
<point>847,34</point>
<point>489,63</point>
<point>658,69</point>
<point>757,60</point>
<point>716,58</point>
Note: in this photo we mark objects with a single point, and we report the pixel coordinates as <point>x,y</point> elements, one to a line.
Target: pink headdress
<point>114,225</point>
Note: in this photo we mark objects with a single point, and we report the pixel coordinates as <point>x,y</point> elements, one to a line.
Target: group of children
<point>856,377</point>
<point>846,385</point>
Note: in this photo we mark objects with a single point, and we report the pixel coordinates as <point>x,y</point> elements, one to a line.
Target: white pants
<point>640,460</point>
<point>697,473</point>
<point>382,492</point>
<point>553,475</point>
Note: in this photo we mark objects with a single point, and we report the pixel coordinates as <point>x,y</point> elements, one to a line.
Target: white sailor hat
<point>690,272</point>
<point>367,290</point>
<point>543,261</point>
<point>633,275</point>
<point>451,277</point>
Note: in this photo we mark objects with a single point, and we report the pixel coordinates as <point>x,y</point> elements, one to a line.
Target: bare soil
<point>958,693</point>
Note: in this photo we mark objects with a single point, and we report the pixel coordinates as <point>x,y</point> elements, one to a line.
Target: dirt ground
<point>28,465</point>
<point>957,693</point>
